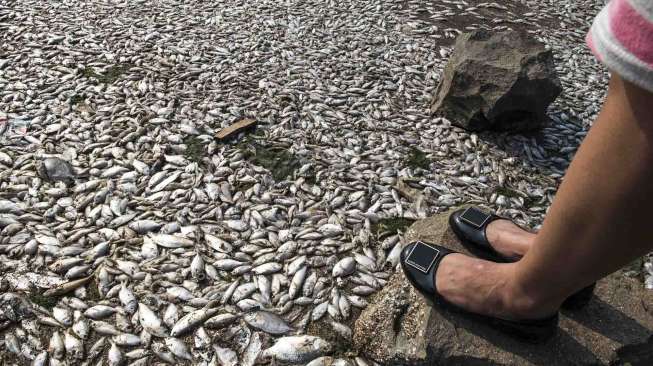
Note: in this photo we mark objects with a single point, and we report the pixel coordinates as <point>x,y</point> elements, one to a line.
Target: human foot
<point>490,236</point>
<point>485,288</point>
<point>476,287</point>
<point>508,239</point>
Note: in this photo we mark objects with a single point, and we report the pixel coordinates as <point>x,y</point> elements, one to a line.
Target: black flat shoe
<point>469,226</point>
<point>420,261</point>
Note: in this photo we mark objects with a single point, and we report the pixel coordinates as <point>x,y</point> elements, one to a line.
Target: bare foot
<point>485,287</point>
<point>508,239</point>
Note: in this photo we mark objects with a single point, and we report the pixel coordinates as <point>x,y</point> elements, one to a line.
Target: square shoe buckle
<point>474,217</point>
<point>420,267</point>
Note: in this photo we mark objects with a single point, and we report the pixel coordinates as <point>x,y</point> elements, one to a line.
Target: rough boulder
<point>497,81</point>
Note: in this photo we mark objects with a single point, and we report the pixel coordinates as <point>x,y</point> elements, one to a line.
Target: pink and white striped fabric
<point>622,38</point>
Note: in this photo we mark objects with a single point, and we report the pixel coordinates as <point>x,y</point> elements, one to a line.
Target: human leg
<point>597,223</point>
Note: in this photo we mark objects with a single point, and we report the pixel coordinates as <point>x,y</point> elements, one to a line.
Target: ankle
<point>521,248</point>
<point>528,301</point>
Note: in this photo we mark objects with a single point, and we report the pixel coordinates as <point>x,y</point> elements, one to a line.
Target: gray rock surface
<point>500,81</point>
<point>56,169</point>
<point>400,328</point>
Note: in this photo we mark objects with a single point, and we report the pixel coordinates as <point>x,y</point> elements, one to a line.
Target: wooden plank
<point>242,125</point>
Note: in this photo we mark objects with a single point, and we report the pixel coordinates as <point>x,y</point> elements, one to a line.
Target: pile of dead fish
<point>129,235</point>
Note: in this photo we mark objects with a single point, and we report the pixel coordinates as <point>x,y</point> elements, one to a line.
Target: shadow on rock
<point>559,350</point>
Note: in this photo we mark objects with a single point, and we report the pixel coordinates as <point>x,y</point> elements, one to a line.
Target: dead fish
<point>251,353</point>
<point>8,207</point>
<point>74,347</point>
<point>171,241</point>
<point>81,328</point>
<point>97,348</point>
<point>128,299</point>
<point>197,268</point>
<point>171,315</point>
<point>144,226</point>
<point>178,348</point>
<point>267,322</point>
<point>104,328</point>
<point>56,346</point>
<point>236,225</point>
<point>41,359</point>
<point>319,311</point>
<point>150,321</point>
<point>297,282</point>
<point>321,361</point>
<point>297,349</point>
<point>342,330</point>
<point>344,267</point>
<point>126,339</point>
<point>12,344</point>
<point>179,293</point>
<point>149,249</point>
<point>98,312</point>
<point>165,182</point>
<point>267,268</point>
<point>243,291</point>
<point>66,287</point>
<point>227,264</point>
<point>47,240</point>
<point>121,220</point>
<point>342,362</point>
<point>220,321</point>
<point>225,356</point>
<point>115,356</point>
<point>331,230</point>
<point>63,316</point>
<point>218,244</point>
<point>192,320</point>
<point>202,339</point>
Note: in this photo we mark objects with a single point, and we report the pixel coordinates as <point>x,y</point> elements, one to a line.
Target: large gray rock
<point>499,81</point>
<point>400,328</point>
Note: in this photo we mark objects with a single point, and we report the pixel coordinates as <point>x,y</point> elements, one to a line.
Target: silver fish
<point>267,322</point>
<point>297,349</point>
<point>191,320</point>
<point>150,321</point>
<point>178,348</point>
<point>225,356</point>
